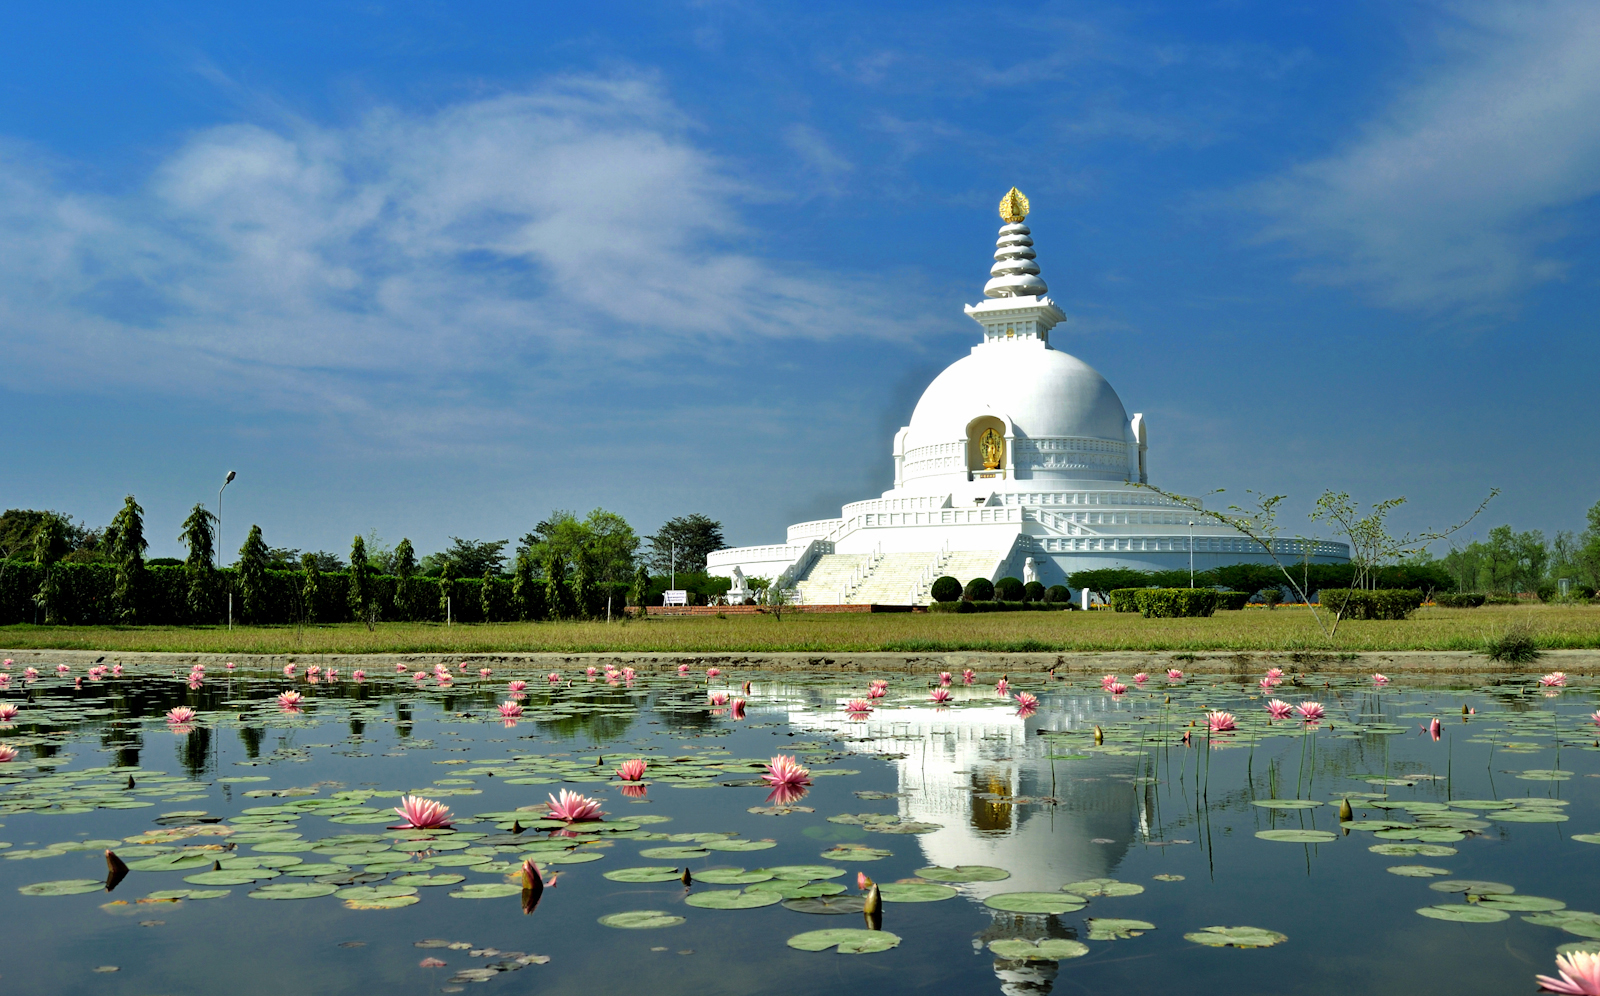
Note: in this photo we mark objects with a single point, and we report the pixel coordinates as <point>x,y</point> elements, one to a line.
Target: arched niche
<point>987,445</point>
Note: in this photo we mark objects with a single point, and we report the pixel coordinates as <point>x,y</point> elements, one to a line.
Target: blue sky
<point>436,269</point>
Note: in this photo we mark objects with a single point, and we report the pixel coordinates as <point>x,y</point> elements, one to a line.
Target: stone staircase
<point>888,579</point>
<point>830,577</point>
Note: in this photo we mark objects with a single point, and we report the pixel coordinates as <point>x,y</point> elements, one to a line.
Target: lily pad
<point>1464,913</point>
<point>1036,902</point>
<point>653,874</point>
<point>725,876</point>
<point>232,876</point>
<point>1236,937</point>
<point>1102,887</point>
<point>1417,871</point>
<point>294,890</point>
<point>487,890</point>
<point>1579,922</point>
<point>964,873</point>
<point>789,888</point>
<point>804,872</point>
<point>172,862</point>
<point>1286,803</point>
<point>1412,850</point>
<point>63,887</point>
<point>826,904</point>
<point>732,899</point>
<point>677,853</point>
<point>1587,838</point>
<point>1110,929</point>
<point>1523,904</point>
<point>902,827</point>
<point>640,920</point>
<point>427,880</point>
<point>1297,836</point>
<point>855,852</point>
<point>846,940</point>
<point>367,893</point>
<point>572,858</point>
<point>1473,887</point>
<point>381,902</point>
<point>915,892</point>
<point>1047,949</point>
<point>738,845</point>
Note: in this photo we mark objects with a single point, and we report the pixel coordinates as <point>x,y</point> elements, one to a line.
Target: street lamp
<point>1191,553</point>
<point>226,481</point>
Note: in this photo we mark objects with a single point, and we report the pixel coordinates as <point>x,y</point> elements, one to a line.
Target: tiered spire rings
<point>1014,274</point>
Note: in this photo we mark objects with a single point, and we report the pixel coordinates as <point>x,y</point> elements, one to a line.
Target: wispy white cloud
<point>1448,201</point>
<point>549,239</point>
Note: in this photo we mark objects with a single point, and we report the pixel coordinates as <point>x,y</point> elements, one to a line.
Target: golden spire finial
<point>1013,206</point>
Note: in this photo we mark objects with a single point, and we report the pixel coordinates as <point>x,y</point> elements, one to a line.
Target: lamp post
<point>226,481</point>
<point>1191,553</point>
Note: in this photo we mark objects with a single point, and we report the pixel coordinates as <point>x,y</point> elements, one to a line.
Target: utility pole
<point>226,481</point>
<point>1191,553</point>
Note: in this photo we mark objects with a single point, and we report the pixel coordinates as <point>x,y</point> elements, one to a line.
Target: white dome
<point>1061,416</point>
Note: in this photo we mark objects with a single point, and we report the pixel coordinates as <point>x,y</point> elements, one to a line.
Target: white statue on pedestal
<point>1030,571</point>
<point>740,590</point>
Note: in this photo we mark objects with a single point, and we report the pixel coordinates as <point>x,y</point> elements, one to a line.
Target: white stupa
<point>1020,460</point>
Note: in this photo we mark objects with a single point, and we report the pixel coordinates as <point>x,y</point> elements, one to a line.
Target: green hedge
<point>1384,603</point>
<point>993,605</point>
<point>1058,593</point>
<point>1232,600</point>
<point>1126,599</point>
<point>946,589</point>
<point>1009,589</point>
<point>960,605</point>
<point>81,594</point>
<point>979,590</point>
<point>1459,600</point>
<point>1174,602</point>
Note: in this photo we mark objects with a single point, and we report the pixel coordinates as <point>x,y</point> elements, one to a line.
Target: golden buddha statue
<point>993,449</point>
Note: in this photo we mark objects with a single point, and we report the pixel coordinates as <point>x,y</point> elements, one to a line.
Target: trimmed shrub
<point>1173,602</point>
<point>1547,592</point>
<point>1459,599</point>
<point>1360,603</point>
<point>1270,596</point>
<point>1009,589</point>
<point>946,589</point>
<point>1232,600</point>
<point>979,590</point>
<point>1033,591</point>
<point>1125,599</point>
<point>1058,593</point>
<point>1515,646</point>
<point>960,605</point>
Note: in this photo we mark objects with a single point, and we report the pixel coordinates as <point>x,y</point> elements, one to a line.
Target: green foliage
<point>494,598</point>
<point>557,593</point>
<point>1033,591</point>
<point>640,594</point>
<point>695,536</point>
<point>252,572</point>
<point>959,605</point>
<point>1507,561</point>
<point>1108,579</point>
<point>1514,646</point>
<point>199,535</point>
<point>1123,599</point>
<point>584,591</point>
<point>310,587</point>
<point>1008,589</point>
<point>527,595</point>
<point>1363,603</point>
<point>1058,593</point>
<point>467,558</point>
<point>1271,595</point>
<point>127,550</point>
<point>979,590</point>
<point>1232,600</point>
<point>1459,600</point>
<point>359,596</point>
<point>1175,602</point>
<point>405,559</point>
<point>50,540</point>
<point>946,589</point>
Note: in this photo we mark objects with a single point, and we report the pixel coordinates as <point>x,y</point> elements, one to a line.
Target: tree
<point>127,549</point>
<point>405,559</point>
<point>1587,555</point>
<point>252,568</point>
<point>557,595</point>
<point>468,558</point>
<point>360,591</point>
<point>641,589</point>
<point>1105,580</point>
<point>447,590</point>
<point>693,536</point>
<point>199,533</point>
<point>310,586</point>
<point>50,542</point>
<point>523,586</point>
<point>583,588</point>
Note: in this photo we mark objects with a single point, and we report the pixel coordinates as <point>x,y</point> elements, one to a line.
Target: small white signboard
<point>675,598</point>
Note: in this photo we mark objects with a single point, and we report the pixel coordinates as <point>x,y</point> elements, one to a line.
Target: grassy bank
<point>1553,627</point>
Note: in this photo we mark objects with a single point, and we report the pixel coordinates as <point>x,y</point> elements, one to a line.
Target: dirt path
<point>1576,662</point>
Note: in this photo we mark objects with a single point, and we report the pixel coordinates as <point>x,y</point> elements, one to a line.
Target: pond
<point>1112,836</point>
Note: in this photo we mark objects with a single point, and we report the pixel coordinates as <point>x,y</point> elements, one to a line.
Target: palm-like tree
<point>127,549</point>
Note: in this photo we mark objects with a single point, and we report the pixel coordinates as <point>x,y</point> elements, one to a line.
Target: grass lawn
<point>1553,627</point>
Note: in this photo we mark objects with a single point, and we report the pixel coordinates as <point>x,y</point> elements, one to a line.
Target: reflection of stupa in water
<point>978,771</point>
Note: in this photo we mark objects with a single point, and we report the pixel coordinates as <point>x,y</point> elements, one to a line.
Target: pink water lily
<point>423,814</point>
<point>1380,680</point>
<point>5,679</point>
<point>7,753</point>
<point>1218,721</point>
<point>1555,679</point>
<point>737,712</point>
<point>230,665</point>
<point>876,692</point>
<point>399,669</point>
<point>719,698</point>
<point>116,670</point>
<point>628,673</point>
<point>1173,674</point>
<point>1267,684</point>
<point>359,674</point>
<point>31,673</point>
<point>863,882</point>
<point>180,714</point>
<point>420,676</point>
<point>1117,688</point>
<point>1279,709</point>
<point>517,686</point>
<point>1275,673</point>
<point>8,712</point>
<point>1433,728</point>
<point>78,682</point>
<point>332,674</point>
<point>786,795</point>
<point>634,790</point>
<point>510,709</point>
<point>574,808</point>
<point>712,672</point>
<point>1106,681</point>
<point>945,678</point>
<point>682,669</point>
<point>1310,711</point>
<point>632,771</point>
<point>62,669</point>
<point>290,700</point>
<point>1002,687</point>
<point>941,696</point>
<point>1027,700</point>
<point>288,670</point>
<point>968,676</point>
<point>785,770</point>
<point>1580,975</point>
<point>1140,678</point>
<point>858,707</point>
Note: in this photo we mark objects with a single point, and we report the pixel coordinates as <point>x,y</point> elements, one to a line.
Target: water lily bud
<point>1345,812</point>
<point>686,879</point>
<point>873,902</point>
